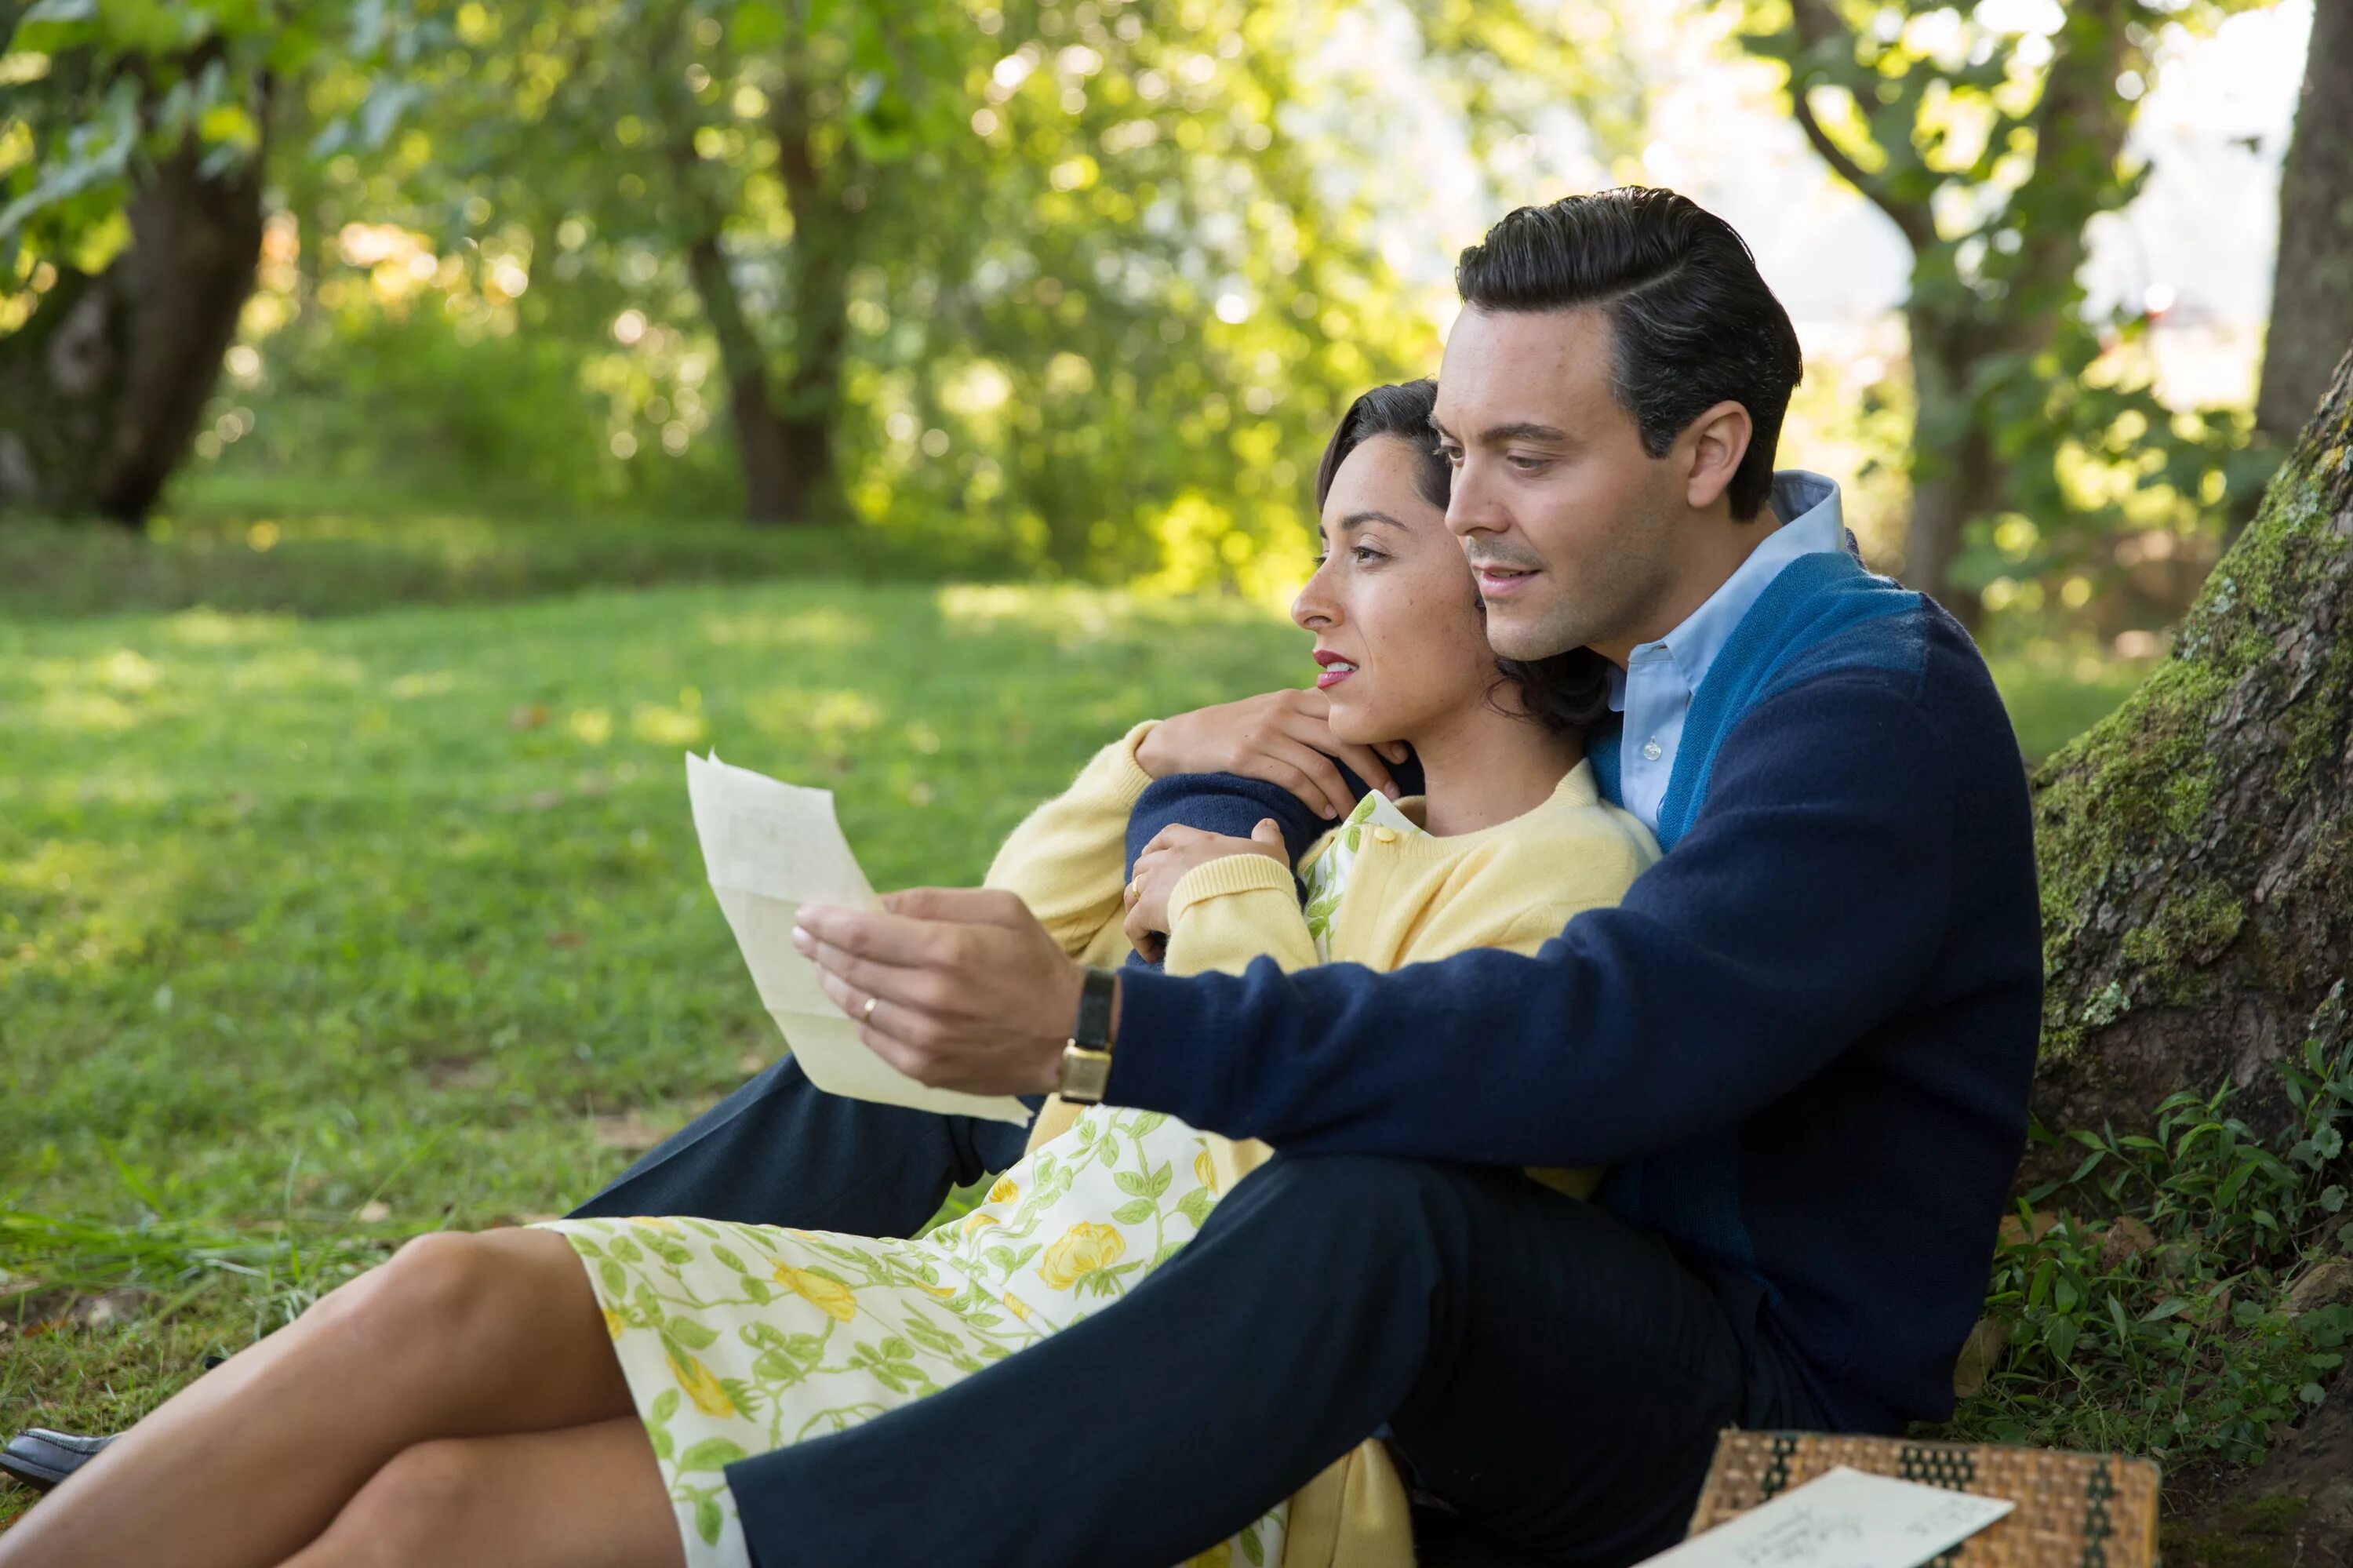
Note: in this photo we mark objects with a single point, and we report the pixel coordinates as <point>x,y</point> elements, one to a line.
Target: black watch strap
<point>1091,1032</point>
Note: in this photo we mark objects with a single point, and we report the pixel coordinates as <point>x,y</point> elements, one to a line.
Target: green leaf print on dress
<point>740,1340</point>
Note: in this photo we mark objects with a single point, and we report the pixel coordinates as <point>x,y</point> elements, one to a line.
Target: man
<point>1802,1044</point>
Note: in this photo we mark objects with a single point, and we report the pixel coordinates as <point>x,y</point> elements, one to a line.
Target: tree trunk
<point>826,224</point>
<point>2312,281</point>
<point>1955,473</point>
<point>101,389</point>
<point>763,445</point>
<point>2197,846</point>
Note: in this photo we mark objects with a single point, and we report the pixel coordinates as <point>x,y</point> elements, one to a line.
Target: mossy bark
<point>2197,847</point>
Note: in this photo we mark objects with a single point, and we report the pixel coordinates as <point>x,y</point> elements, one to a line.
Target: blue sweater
<point>1802,1044</point>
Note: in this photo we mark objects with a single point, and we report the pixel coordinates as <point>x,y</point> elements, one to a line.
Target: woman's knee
<point>431,1497</point>
<point>436,1292</point>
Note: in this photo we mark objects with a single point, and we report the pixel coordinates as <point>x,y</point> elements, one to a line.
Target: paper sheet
<point>769,848</point>
<point>1841,1518</point>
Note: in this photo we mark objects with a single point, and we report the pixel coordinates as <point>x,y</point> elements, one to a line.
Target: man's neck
<point>1485,768</point>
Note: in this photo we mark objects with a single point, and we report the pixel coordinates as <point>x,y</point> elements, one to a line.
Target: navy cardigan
<point>1802,1044</point>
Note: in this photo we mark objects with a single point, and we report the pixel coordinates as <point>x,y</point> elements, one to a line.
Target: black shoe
<point>40,1458</point>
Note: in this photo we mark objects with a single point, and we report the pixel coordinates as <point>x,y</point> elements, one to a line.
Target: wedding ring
<point>866,1013</point>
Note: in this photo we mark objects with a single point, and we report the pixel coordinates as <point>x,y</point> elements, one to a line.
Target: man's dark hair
<point>1692,322</point>
<point>1567,691</point>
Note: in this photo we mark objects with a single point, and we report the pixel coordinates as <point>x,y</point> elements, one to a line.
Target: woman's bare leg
<point>587,1496</point>
<point>458,1336</point>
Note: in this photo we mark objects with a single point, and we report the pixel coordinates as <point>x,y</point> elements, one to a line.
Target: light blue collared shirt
<point>1654,691</point>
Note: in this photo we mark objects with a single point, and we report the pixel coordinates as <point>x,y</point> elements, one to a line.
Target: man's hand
<point>968,991</point>
<point>1281,737</point>
<point>1173,851</point>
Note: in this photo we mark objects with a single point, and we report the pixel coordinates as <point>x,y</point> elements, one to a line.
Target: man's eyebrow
<point>1521,431</point>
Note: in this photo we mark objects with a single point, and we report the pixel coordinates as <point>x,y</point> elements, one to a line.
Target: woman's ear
<point>1717,440</point>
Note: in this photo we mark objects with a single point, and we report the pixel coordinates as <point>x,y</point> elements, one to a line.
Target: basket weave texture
<point>2074,1511</point>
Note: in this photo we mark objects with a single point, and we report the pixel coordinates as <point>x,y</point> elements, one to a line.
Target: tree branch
<point>1912,217</point>
<point>1818,28</point>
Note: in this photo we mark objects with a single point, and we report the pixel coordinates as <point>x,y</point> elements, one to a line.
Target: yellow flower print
<point>1013,1305</point>
<point>613,1323</point>
<point>1084,1248</point>
<point>1207,1170</point>
<point>1005,1192</point>
<point>654,1223</point>
<point>980,1219</point>
<point>1221,1555</point>
<point>944,1292</point>
<point>701,1386</point>
<point>829,1297</point>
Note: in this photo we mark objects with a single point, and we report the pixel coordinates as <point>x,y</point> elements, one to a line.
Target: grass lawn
<point>315,934</point>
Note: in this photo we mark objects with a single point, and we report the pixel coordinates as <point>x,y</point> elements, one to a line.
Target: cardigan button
<point>1653,750</point>
<point>1384,835</point>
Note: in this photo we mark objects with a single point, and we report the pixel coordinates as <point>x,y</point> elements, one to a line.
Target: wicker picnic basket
<point>2074,1511</point>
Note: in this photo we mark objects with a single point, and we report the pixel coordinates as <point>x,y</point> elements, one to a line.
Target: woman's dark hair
<point>1692,322</point>
<point>1567,691</point>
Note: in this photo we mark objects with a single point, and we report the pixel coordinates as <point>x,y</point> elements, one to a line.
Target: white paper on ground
<point>769,848</point>
<point>1841,1518</point>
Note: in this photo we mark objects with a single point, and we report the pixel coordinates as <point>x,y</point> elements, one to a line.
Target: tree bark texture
<point>2197,846</point>
<point>101,389</point>
<point>2312,281</point>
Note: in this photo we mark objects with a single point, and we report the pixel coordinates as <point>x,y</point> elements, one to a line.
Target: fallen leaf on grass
<point>373,1212</point>
<point>527,715</point>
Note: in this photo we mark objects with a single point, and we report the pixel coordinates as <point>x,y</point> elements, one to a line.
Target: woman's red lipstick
<point>1337,667</point>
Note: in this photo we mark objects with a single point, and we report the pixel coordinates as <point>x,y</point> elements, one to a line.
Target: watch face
<point>1084,1073</point>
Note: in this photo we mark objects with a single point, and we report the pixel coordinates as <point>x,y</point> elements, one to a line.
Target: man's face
<point>1568,524</point>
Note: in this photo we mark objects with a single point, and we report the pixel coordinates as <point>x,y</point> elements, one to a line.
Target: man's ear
<point>1716,440</point>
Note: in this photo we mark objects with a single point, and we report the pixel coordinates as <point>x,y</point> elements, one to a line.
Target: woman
<point>572,1393</point>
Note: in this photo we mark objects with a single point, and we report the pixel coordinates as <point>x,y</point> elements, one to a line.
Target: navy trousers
<point>1554,1375</point>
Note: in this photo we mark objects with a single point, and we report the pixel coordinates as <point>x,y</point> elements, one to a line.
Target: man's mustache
<point>1480,563</point>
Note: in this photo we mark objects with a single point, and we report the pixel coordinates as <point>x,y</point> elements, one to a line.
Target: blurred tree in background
<point>2312,276</point>
<point>1992,143</point>
<point>134,155</point>
<point>1083,285</point>
<point>1068,287</point>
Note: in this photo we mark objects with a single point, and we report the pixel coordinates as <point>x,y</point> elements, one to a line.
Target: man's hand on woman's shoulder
<point>1282,737</point>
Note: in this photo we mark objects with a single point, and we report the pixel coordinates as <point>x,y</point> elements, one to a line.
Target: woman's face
<point>1393,605</point>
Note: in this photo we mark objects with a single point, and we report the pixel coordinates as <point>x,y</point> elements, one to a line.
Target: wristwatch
<point>1086,1056</point>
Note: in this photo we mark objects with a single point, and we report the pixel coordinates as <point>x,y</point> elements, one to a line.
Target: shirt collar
<point>1814,523</point>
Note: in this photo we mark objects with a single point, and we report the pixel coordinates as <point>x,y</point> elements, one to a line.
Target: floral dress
<point>739,1340</point>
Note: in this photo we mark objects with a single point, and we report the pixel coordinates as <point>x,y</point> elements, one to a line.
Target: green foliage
<point>97,86</point>
<point>2166,1331</point>
<point>1992,148</point>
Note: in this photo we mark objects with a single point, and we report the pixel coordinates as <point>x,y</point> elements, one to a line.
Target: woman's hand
<point>1282,737</point>
<point>1172,853</point>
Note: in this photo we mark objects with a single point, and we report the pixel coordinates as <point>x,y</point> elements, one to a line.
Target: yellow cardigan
<point>1409,899</point>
